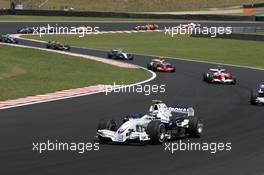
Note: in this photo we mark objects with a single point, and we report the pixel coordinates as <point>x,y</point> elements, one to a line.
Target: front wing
<point>115,137</point>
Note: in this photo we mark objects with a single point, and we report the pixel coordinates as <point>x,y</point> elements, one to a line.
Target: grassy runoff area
<point>238,52</point>
<point>25,72</point>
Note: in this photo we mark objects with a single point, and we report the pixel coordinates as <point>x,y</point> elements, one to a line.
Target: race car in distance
<point>119,54</point>
<point>257,96</point>
<point>159,64</point>
<point>150,26</point>
<point>219,75</point>
<point>30,30</point>
<point>160,124</point>
<point>189,25</point>
<point>57,46</point>
<point>8,39</point>
<point>26,30</point>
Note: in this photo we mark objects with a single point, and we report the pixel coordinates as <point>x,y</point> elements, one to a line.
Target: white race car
<point>189,25</point>
<point>257,97</point>
<point>119,54</point>
<point>156,127</point>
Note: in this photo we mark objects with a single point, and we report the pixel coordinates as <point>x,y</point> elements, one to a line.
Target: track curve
<point>225,110</point>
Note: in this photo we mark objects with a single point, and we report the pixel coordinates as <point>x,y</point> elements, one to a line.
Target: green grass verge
<point>25,72</point>
<point>238,52</point>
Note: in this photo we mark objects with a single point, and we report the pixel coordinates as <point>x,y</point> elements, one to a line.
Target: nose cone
<point>222,77</point>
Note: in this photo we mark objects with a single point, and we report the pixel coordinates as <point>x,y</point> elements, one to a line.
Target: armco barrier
<point>235,36</point>
<point>126,15</point>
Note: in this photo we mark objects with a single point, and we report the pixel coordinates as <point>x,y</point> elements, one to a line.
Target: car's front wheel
<point>156,131</point>
<point>234,81</point>
<point>204,77</point>
<point>253,98</point>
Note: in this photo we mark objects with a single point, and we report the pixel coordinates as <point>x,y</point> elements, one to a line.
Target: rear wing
<point>216,70</point>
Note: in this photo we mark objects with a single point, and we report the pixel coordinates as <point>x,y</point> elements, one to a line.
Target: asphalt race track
<point>225,110</point>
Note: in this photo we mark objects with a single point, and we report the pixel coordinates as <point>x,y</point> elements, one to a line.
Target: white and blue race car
<point>160,124</point>
<point>119,54</point>
<point>257,96</point>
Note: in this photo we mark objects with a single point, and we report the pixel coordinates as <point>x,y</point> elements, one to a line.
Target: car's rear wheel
<point>195,128</point>
<point>156,131</point>
<point>253,98</point>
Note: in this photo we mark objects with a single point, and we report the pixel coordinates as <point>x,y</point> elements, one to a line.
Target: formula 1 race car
<point>31,30</point>
<point>159,64</point>
<point>219,75</point>
<point>257,96</point>
<point>57,46</point>
<point>26,30</point>
<point>8,39</point>
<point>119,54</point>
<point>156,127</point>
<point>150,26</point>
<point>189,25</point>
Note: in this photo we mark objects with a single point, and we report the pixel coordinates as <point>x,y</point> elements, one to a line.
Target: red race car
<point>160,65</point>
<point>150,26</point>
<point>219,75</point>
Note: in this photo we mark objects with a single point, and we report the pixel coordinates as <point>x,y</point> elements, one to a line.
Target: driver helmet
<point>154,109</point>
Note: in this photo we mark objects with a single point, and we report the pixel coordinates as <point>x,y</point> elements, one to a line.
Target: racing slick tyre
<point>106,124</point>
<point>234,81</point>
<point>195,128</point>
<point>68,47</point>
<point>156,131</point>
<point>149,67</point>
<point>253,98</point>
<point>204,77</point>
<point>109,55</point>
